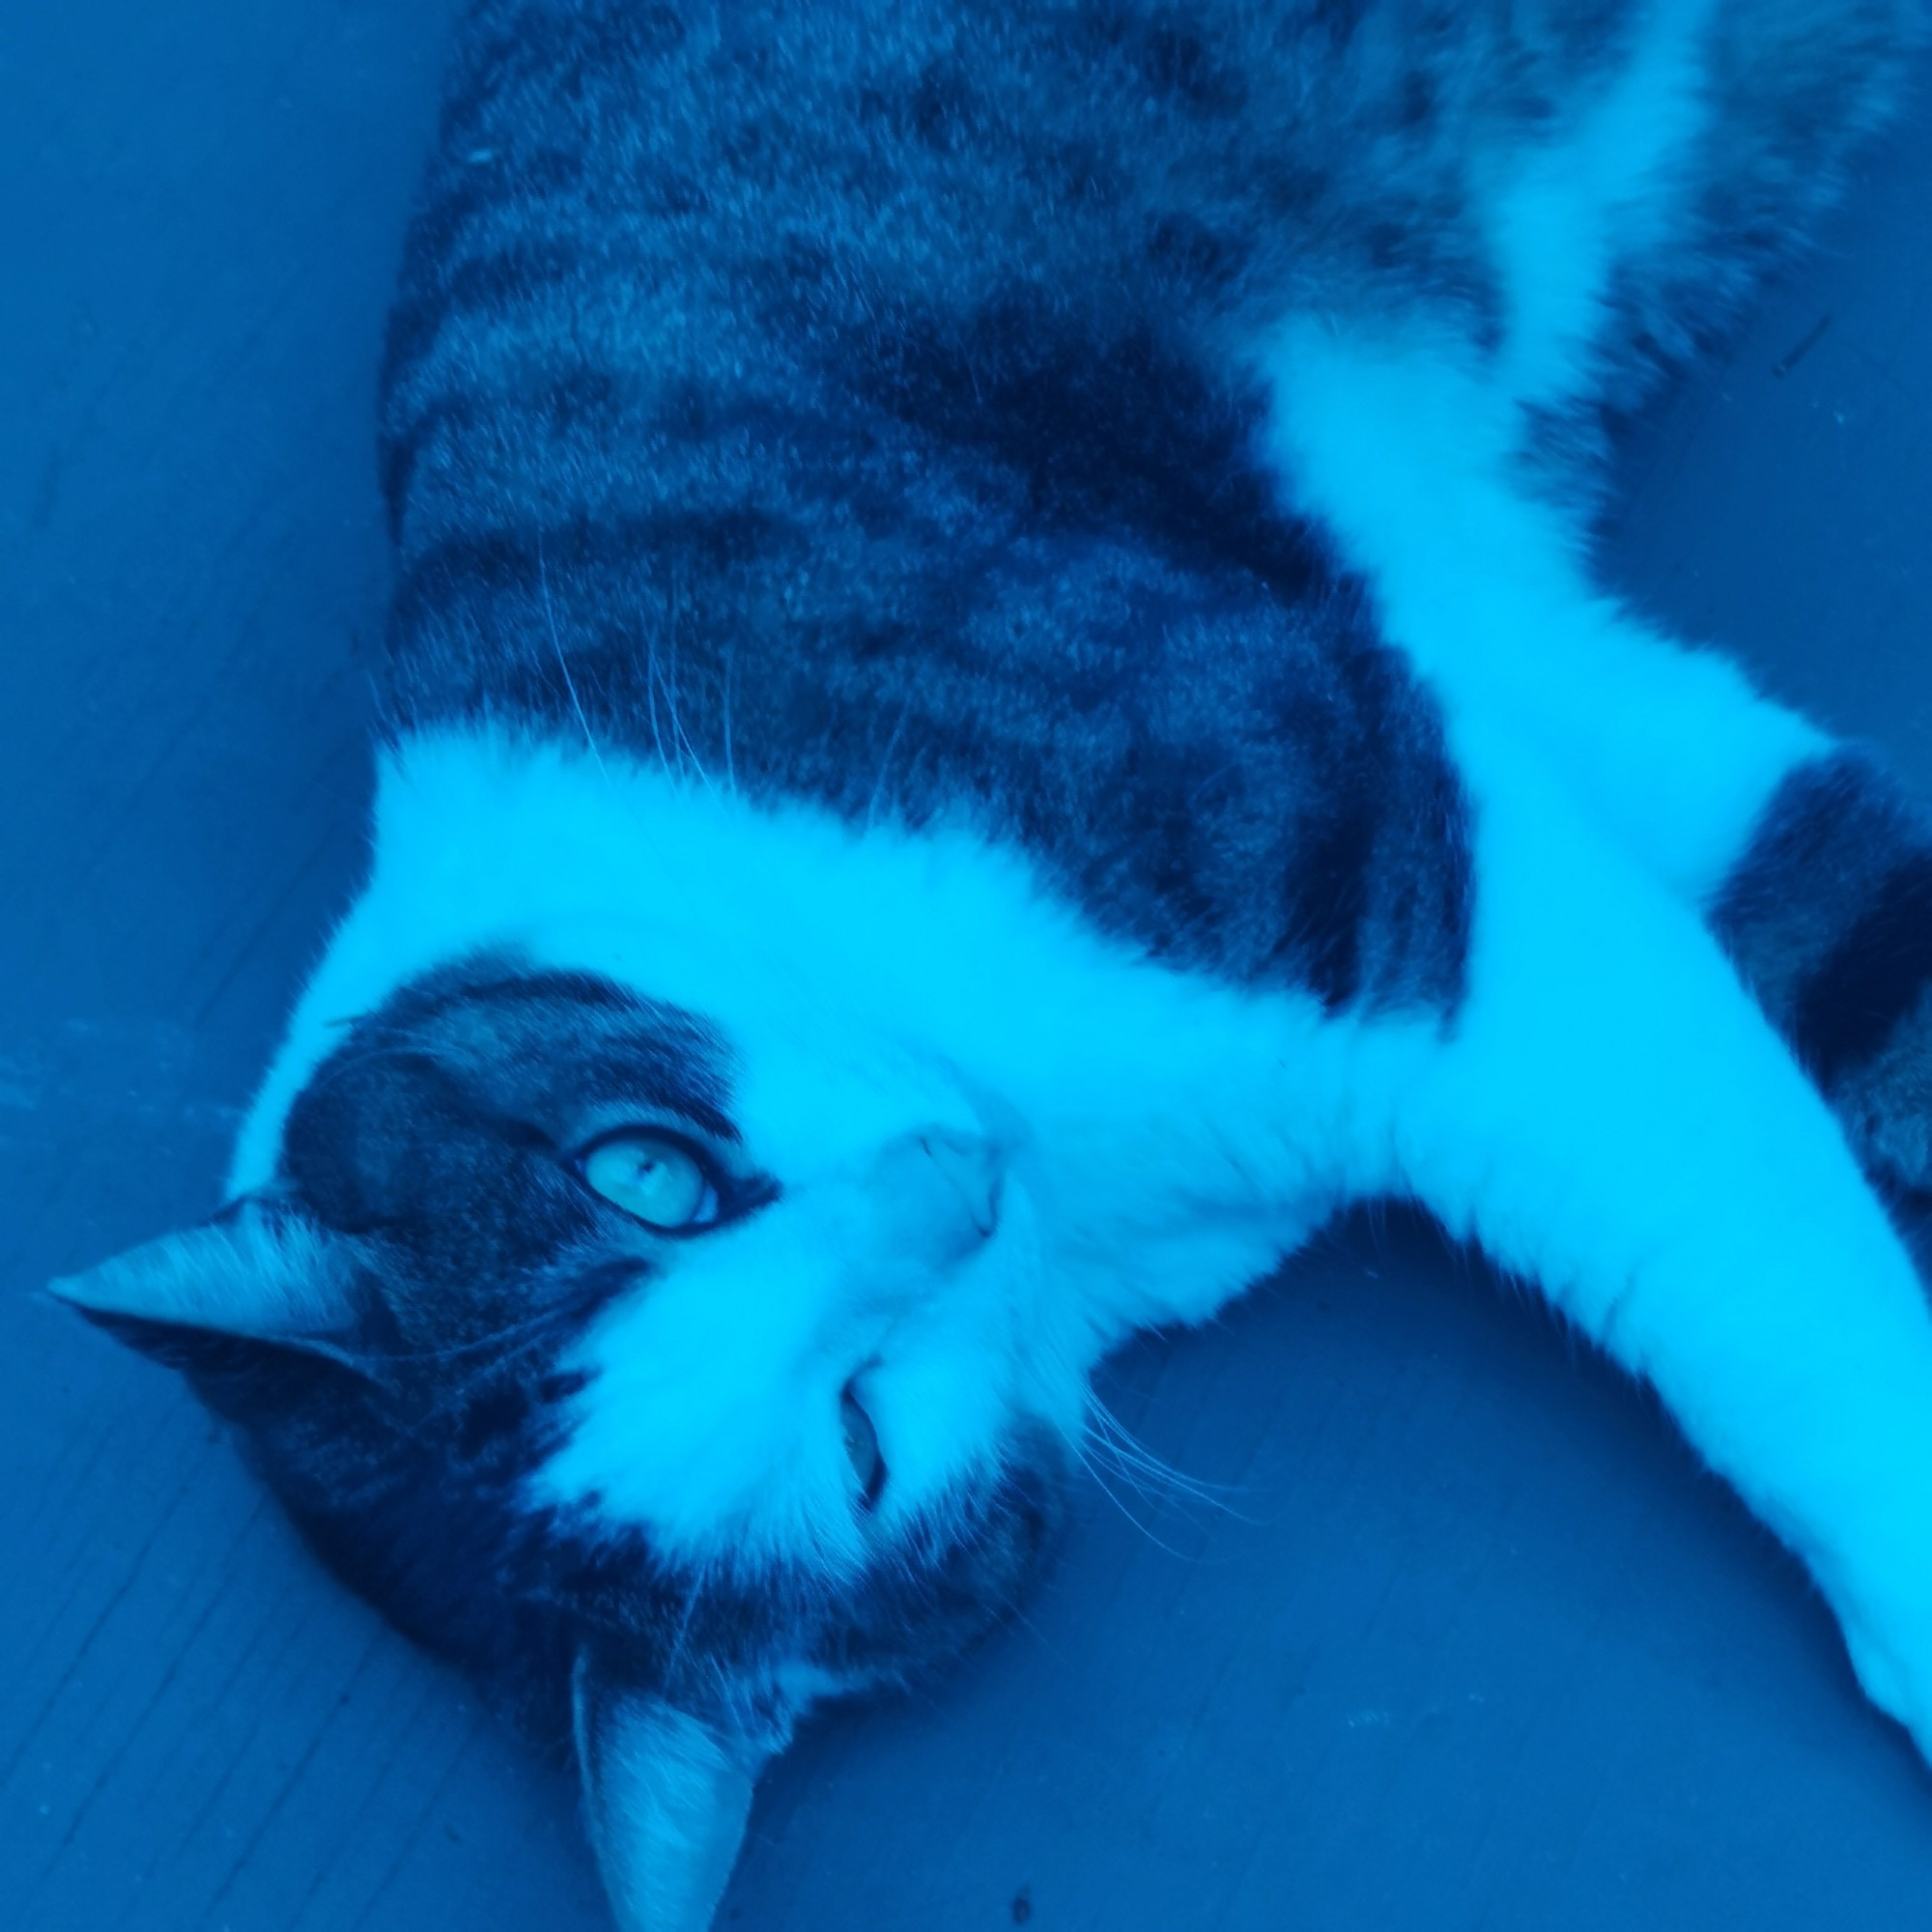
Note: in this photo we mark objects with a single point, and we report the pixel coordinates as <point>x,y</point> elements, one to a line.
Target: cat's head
<point>668,1381</point>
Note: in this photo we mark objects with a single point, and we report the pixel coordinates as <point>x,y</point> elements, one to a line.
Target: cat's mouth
<point>862,1445</point>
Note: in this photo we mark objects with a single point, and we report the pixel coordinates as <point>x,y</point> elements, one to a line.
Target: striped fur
<point>1829,915</point>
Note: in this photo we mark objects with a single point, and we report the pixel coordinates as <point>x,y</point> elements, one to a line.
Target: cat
<point>994,707</point>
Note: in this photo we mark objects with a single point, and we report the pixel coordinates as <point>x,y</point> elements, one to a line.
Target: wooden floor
<point>1473,1644</point>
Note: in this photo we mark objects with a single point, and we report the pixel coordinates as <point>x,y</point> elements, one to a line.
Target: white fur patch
<point>1609,1115</point>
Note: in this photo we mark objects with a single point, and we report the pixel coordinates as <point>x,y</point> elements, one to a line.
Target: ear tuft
<point>252,1273</point>
<point>669,1797</point>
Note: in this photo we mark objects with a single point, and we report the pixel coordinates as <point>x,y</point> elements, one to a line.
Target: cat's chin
<point>932,1583</point>
<point>953,1572</point>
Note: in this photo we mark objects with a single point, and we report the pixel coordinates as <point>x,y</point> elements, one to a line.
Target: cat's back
<point>719,223</point>
<point>824,400</point>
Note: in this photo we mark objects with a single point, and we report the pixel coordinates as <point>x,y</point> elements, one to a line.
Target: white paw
<point>1897,1677</point>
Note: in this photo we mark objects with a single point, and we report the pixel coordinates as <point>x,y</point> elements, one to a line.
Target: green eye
<point>652,1177</point>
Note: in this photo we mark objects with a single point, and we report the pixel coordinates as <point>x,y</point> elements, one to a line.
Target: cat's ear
<point>254,1274</point>
<point>667,1797</point>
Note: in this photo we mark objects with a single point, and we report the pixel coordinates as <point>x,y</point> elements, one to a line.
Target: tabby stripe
<point>1872,980</point>
<point>1829,916</point>
<point>559,48</point>
<point>498,284</point>
<point>451,571</point>
<point>401,452</point>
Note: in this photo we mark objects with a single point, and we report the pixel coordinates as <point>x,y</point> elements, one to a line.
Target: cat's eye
<point>654,1176</point>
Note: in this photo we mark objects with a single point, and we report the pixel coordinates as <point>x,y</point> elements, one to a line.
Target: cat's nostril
<point>937,1192</point>
<point>972,1165</point>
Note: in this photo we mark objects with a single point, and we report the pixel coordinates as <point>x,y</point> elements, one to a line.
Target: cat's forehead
<point>548,1043</point>
<point>450,1117</point>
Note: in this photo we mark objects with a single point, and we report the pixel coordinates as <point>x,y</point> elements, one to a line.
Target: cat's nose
<point>974,1167</point>
<point>939,1190</point>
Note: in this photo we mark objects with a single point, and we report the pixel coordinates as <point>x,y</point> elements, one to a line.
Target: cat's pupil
<point>649,1176</point>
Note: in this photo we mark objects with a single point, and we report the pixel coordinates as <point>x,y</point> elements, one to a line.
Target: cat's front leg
<point>1613,1117</point>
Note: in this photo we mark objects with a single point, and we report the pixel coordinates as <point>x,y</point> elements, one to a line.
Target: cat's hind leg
<point>1688,159</point>
<point>1612,1117</point>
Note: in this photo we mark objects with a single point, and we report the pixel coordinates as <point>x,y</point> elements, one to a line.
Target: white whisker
<point>1134,1461</point>
<point>886,765</point>
<point>1100,1483</point>
<point>562,662</point>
